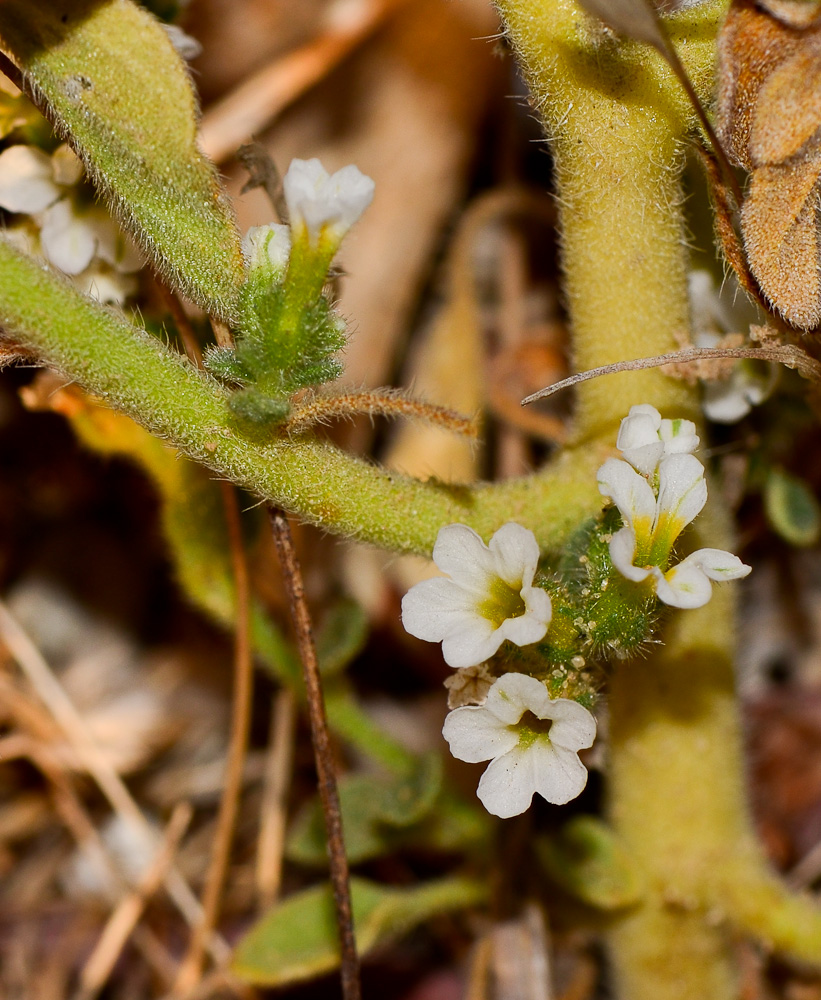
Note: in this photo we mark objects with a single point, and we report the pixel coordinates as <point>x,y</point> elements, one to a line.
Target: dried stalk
<point>787,355</point>
<point>328,791</point>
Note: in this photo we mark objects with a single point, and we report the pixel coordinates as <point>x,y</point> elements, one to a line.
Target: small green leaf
<point>376,811</point>
<point>341,637</point>
<point>107,75</point>
<point>792,508</point>
<point>298,939</point>
<point>588,861</point>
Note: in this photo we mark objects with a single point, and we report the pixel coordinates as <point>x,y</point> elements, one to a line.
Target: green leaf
<point>792,508</point>
<point>106,74</point>
<point>298,939</point>
<point>588,861</point>
<point>341,637</point>
<point>375,812</point>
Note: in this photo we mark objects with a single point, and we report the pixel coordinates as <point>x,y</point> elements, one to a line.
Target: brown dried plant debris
<point>769,113</point>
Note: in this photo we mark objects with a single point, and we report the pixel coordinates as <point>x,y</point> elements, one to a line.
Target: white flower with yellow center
<point>641,549</point>
<point>324,206</point>
<point>489,596</point>
<point>531,741</point>
<point>645,438</point>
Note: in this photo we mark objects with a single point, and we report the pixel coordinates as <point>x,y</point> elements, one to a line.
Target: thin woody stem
<point>320,737</point>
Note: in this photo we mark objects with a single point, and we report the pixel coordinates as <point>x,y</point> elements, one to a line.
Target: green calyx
<point>286,342</point>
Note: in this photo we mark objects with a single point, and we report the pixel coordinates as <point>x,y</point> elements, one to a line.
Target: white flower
<point>644,438</point>
<point>716,313</point>
<point>324,205</point>
<point>489,597</point>
<point>641,549</point>
<point>531,741</point>
<point>72,235</point>
<point>26,180</point>
<point>268,246</point>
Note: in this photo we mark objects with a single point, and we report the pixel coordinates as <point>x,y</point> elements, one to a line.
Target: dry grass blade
<point>112,786</point>
<point>787,355</point>
<point>328,791</point>
<point>255,103</point>
<point>124,918</point>
<point>191,969</point>
<point>278,766</point>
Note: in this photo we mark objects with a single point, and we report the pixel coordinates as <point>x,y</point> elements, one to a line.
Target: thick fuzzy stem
<point>616,118</point>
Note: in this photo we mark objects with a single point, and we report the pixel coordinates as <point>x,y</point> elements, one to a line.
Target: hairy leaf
<point>298,938</point>
<point>106,74</point>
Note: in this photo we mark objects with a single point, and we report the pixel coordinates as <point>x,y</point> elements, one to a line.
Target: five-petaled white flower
<point>489,597</point>
<point>641,549</point>
<point>531,741</point>
<point>324,205</point>
<point>644,438</point>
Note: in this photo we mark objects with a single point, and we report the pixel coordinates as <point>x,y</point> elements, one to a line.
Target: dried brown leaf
<point>769,115</point>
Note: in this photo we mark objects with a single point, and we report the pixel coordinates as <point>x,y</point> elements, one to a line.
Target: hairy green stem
<point>133,372</point>
<point>616,119</point>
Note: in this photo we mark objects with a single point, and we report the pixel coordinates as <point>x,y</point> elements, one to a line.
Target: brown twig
<point>182,323</point>
<point>787,355</point>
<point>263,173</point>
<point>191,969</point>
<point>328,791</point>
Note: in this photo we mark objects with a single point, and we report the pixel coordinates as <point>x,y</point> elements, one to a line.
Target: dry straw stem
<point>323,753</point>
<point>314,408</point>
<point>273,806</point>
<point>253,105</point>
<point>124,918</point>
<point>82,742</point>
<point>787,355</point>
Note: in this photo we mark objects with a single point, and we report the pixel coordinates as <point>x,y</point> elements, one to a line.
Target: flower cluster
<point>659,490</point>
<point>74,234</point>
<point>488,597</point>
<point>492,594</point>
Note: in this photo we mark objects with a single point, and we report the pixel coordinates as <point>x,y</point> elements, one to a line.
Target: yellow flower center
<point>503,602</point>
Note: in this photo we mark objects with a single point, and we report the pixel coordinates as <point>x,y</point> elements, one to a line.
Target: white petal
<point>462,554</point>
<point>574,727</point>
<point>724,403</point>
<point>629,491</point>
<point>66,239</point>
<point>524,630</point>
<point>268,246</point>
<point>559,774</point>
<point>515,554</point>
<point>106,285</point>
<point>679,437</point>
<point>514,694</point>
<point>682,490</point>
<point>318,200</point>
<point>718,564</point>
<point>475,734</point>
<point>112,244</point>
<point>470,645</point>
<point>430,608</point>
<point>638,438</point>
<point>683,586</point>
<point>26,180</point>
<point>622,554</point>
<point>507,786</point>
